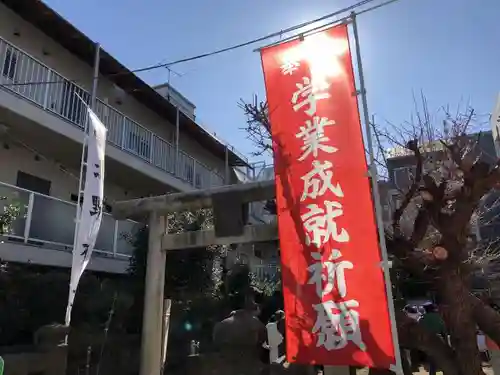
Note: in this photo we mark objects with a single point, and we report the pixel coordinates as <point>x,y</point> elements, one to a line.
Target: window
<point>33,183</point>
<point>10,63</point>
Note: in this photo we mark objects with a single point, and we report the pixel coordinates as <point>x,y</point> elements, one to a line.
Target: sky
<point>447,49</point>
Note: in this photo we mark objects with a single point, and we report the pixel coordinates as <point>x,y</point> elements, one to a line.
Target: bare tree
<point>430,233</point>
<point>258,126</point>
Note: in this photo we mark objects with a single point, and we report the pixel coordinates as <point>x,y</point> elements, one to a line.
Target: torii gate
<point>227,231</point>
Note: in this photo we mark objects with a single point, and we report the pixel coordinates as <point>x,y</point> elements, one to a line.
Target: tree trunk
<point>457,314</point>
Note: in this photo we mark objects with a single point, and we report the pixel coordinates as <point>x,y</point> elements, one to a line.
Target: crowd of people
<point>245,327</point>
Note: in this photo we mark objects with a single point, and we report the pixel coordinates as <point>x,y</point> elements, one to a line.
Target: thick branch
<point>486,318</point>
<point>479,181</point>
<point>413,261</point>
<point>413,335</point>
<point>413,146</point>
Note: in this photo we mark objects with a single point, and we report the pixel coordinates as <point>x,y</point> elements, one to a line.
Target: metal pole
<point>226,174</point>
<point>177,119</point>
<point>167,307</point>
<point>398,368</point>
<point>95,78</point>
<point>152,323</point>
<point>87,362</point>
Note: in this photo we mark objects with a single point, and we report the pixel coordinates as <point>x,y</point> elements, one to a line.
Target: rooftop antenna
<point>170,70</point>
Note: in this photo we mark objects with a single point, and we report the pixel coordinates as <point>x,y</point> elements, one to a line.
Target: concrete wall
<point>40,46</point>
<point>63,184</point>
<point>16,158</point>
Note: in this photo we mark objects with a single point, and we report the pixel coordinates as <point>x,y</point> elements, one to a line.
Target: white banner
<point>495,126</point>
<point>90,215</point>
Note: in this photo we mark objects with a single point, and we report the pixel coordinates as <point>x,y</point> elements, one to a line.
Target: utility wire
<point>219,51</point>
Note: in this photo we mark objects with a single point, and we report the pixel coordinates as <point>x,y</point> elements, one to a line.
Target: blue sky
<point>449,49</point>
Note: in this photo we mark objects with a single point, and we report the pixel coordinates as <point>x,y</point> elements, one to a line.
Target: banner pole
<point>93,98</point>
<point>397,368</point>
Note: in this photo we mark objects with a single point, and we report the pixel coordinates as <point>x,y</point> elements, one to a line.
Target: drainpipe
<point>177,118</point>
<point>226,177</point>
<point>93,97</point>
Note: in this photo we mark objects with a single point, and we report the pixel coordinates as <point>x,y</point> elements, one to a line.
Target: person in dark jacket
<point>434,323</point>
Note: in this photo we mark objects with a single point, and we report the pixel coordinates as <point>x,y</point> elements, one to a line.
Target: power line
<point>326,25</point>
<point>219,51</point>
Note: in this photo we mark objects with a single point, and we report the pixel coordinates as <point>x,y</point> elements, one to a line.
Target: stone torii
<point>229,207</point>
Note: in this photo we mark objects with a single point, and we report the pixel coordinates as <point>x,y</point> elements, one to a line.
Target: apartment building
<point>154,144</point>
<point>261,257</point>
<point>177,99</point>
<point>401,166</point>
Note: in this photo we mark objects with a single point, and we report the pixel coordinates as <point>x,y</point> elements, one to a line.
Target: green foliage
<point>33,296</point>
<point>189,273</point>
<point>10,212</point>
<point>190,278</point>
<point>238,281</point>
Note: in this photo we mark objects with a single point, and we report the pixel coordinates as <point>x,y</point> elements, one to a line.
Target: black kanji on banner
<point>98,173</point>
<point>96,205</point>
<point>85,251</point>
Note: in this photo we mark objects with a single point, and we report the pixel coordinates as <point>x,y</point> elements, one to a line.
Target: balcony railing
<point>36,82</point>
<point>49,222</point>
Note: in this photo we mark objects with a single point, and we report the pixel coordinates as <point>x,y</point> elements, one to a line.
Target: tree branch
<point>413,146</point>
<point>258,126</point>
<point>413,335</point>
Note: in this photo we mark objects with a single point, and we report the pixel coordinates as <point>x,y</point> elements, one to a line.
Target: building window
<point>9,64</point>
<point>33,183</point>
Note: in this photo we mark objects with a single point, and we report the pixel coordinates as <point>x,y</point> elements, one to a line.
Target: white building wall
<point>63,184</point>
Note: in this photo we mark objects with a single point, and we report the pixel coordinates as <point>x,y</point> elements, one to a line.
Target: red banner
<point>333,285</point>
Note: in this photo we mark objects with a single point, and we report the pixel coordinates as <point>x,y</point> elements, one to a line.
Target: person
<point>241,331</point>
<point>276,337</point>
<point>434,323</point>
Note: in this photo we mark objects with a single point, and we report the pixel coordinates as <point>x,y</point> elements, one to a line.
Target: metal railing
<point>25,76</point>
<point>49,222</point>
